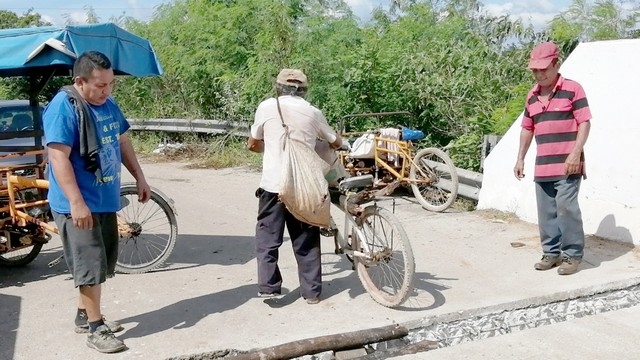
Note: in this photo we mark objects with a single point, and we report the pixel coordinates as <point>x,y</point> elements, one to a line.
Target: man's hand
<point>144,191</point>
<point>572,164</point>
<point>81,216</point>
<point>518,170</point>
<point>255,145</point>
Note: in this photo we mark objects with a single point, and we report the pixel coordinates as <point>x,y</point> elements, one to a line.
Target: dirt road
<point>204,298</point>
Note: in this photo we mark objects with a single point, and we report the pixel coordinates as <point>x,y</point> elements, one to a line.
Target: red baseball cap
<point>542,55</point>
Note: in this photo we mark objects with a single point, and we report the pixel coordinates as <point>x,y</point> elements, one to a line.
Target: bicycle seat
<point>355,182</point>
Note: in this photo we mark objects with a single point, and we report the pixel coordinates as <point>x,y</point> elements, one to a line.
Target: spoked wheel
<point>25,243</point>
<point>387,269</point>
<point>21,256</point>
<point>148,231</point>
<point>434,179</point>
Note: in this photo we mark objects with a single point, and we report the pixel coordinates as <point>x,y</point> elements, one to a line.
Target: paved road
<point>204,298</point>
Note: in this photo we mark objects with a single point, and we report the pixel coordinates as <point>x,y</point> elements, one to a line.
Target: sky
<point>536,12</point>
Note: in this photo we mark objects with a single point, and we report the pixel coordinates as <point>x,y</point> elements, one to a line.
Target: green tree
<point>449,65</point>
<point>602,20</point>
<point>10,20</point>
<point>459,71</point>
<point>221,57</point>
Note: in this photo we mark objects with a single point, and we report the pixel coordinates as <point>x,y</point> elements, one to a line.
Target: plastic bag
<point>411,134</point>
<point>363,147</point>
<point>304,189</point>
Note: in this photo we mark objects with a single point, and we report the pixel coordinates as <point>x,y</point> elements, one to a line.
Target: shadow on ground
<point>10,315</point>
<point>188,312</point>
<point>38,269</point>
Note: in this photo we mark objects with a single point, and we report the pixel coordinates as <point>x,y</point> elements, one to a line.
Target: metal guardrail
<point>201,126</point>
<point>469,182</point>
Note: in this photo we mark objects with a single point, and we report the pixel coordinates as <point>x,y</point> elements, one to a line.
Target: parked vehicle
<point>17,132</point>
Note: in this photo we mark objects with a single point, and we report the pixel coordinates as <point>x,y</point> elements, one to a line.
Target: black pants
<point>305,239</point>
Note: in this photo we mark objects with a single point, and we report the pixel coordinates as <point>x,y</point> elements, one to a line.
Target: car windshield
<point>16,119</point>
<point>16,132</point>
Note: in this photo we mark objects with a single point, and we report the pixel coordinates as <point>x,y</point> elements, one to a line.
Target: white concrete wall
<point>609,198</point>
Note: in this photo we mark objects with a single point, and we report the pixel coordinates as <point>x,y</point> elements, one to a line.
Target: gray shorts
<point>90,255</point>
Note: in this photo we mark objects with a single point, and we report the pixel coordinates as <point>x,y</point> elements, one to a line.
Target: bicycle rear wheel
<point>387,269</point>
<point>434,179</point>
<point>148,231</point>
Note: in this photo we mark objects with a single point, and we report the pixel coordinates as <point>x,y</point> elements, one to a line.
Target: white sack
<point>304,189</point>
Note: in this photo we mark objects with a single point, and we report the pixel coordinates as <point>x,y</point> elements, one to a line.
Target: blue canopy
<point>41,50</point>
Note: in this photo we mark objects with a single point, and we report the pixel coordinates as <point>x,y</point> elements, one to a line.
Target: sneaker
<point>547,262</point>
<point>112,325</point>
<point>312,301</point>
<point>104,341</point>
<point>569,266</point>
<point>262,294</point>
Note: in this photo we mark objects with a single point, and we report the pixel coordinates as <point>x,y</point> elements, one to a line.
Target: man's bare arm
<point>63,171</point>
<point>130,161</point>
<point>572,164</point>
<point>526,136</point>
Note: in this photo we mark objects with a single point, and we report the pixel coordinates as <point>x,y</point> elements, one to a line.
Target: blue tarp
<point>29,51</point>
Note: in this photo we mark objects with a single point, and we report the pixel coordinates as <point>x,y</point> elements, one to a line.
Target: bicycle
<point>389,157</point>
<point>148,231</point>
<point>375,242</point>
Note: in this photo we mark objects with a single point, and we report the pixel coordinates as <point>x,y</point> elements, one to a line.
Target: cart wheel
<point>148,232</point>
<point>20,257</point>
<point>434,179</point>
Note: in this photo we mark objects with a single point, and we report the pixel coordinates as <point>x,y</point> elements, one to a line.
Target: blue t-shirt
<point>61,126</point>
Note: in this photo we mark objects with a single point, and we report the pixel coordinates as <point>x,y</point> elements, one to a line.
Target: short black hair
<point>89,61</point>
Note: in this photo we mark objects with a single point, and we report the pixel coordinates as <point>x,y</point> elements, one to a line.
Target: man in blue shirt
<point>86,141</point>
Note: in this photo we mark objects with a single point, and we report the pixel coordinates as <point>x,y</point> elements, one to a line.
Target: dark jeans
<point>305,239</point>
<point>559,217</point>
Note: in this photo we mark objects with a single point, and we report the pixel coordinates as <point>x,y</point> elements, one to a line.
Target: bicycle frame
<point>16,183</point>
<point>350,224</point>
<point>404,154</point>
<point>349,203</point>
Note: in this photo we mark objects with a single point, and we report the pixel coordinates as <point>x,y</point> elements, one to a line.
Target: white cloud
<point>77,17</point>
<point>537,20</point>
<point>49,19</point>
<point>538,13</point>
<point>134,6</point>
<point>498,9</point>
<point>363,8</point>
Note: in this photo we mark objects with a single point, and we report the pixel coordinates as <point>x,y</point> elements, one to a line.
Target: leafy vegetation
<point>459,71</point>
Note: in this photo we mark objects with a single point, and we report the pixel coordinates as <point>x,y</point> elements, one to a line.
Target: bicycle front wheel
<point>434,179</point>
<point>148,231</point>
<point>387,268</point>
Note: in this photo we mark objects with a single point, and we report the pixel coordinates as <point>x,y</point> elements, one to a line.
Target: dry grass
<point>505,216</point>
<point>199,151</point>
